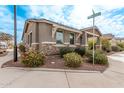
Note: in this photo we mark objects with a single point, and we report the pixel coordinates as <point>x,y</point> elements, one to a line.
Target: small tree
<point>22,48</point>
<point>106,45</point>
<point>90,44</point>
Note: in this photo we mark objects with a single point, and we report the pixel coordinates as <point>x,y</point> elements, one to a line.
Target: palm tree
<point>15,38</point>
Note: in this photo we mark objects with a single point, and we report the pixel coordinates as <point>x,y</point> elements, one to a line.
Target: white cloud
<point>79,14</point>
<point>7,21</point>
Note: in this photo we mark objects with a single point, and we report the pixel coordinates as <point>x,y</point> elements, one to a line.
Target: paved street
<point>6,58</point>
<point>112,77</point>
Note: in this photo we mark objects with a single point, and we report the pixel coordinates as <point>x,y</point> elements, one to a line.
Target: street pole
<point>93,39</point>
<point>89,17</point>
<point>15,38</point>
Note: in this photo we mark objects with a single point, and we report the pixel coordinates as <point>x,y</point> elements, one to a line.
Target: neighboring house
<point>111,38</point>
<point>119,39</point>
<point>3,45</point>
<point>10,43</point>
<point>48,36</point>
<point>6,39</point>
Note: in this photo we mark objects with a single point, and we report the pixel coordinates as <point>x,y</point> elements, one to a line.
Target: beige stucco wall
<point>45,33</point>
<point>30,28</point>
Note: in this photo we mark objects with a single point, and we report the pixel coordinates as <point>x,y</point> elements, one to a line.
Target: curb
<point>53,70</point>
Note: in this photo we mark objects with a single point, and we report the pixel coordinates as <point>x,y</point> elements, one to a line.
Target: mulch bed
<point>56,62</point>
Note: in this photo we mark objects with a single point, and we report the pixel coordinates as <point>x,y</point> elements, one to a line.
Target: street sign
<point>94,15</point>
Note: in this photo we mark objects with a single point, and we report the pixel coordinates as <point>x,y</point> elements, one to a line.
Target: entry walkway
<point>118,56</point>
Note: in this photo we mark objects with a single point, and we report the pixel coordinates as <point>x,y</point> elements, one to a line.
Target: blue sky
<point>111,20</point>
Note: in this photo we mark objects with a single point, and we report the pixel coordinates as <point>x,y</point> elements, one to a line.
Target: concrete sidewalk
<point>14,78</point>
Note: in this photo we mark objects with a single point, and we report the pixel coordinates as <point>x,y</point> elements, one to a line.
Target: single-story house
<point>119,39</point>
<point>111,38</point>
<point>6,40</point>
<point>46,35</point>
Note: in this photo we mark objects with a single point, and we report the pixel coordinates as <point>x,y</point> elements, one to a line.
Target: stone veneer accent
<point>53,49</point>
<point>35,46</point>
<point>49,49</point>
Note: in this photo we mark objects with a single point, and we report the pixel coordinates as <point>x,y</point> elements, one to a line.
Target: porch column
<point>84,39</point>
<point>100,43</point>
<point>54,29</point>
<point>78,39</point>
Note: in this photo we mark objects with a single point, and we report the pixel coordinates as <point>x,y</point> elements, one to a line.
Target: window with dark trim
<point>71,37</point>
<point>59,37</point>
<point>30,38</point>
<point>81,40</point>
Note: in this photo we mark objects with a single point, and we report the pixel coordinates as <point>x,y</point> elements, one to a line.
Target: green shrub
<point>32,59</point>
<point>80,51</point>
<point>72,59</point>
<point>99,57</point>
<point>65,50</point>
<point>121,44</point>
<point>116,48</point>
<point>88,53</point>
<point>106,45</point>
<point>22,48</point>
<point>120,48</point>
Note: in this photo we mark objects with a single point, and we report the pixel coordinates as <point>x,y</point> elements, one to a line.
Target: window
<point>30,39</point>
<point>81,40</point>
<point>71,37</point>
<point>59,37</point>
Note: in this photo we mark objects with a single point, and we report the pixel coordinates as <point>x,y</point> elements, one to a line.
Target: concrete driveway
<point>16,77</point>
